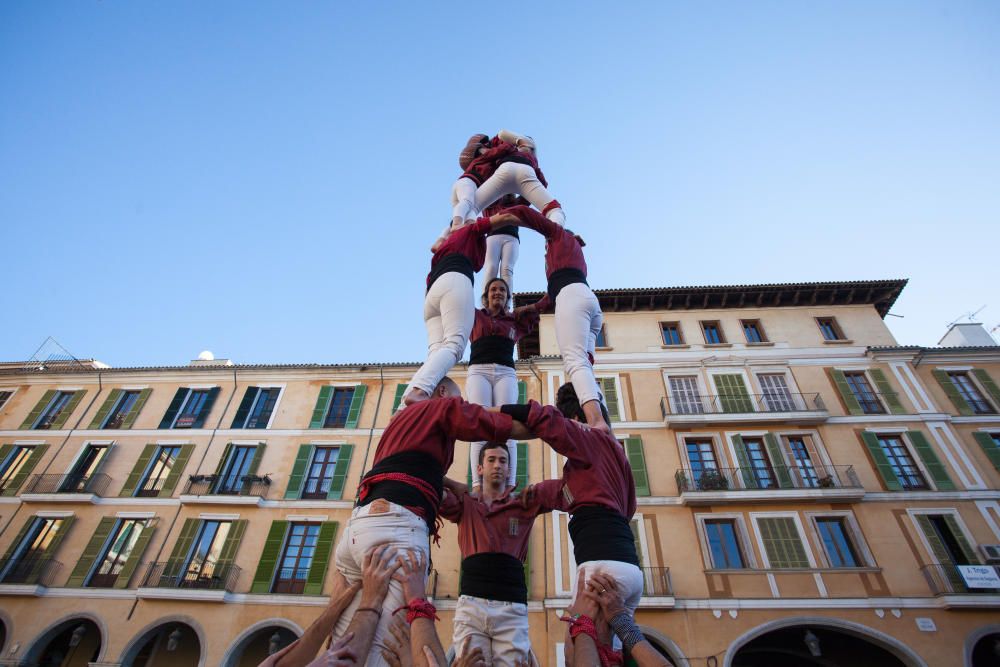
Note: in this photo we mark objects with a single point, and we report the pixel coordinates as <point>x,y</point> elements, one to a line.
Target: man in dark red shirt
<point>398,498</point>
<point>492,612</point>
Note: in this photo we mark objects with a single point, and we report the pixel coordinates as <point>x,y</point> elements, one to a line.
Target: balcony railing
<point>945,579</point>
<point>217,485</point>
<point>29,570</point>
<point>172,575</point>
<point>777,477</point>
<point>96,484</point>
<point>656,582</point>
<point>723,404</point>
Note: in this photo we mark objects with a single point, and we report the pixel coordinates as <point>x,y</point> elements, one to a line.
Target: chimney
<point>967,334</point>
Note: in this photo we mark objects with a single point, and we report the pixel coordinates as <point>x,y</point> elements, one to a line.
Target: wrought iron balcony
<point>787,407</point>
<point>946,579</point>
<point>95,484</point>
<point>172,575</point>
<point>656,582</point>
<point>29,570</point>
<point>819,482</point>
<point>218,485</point>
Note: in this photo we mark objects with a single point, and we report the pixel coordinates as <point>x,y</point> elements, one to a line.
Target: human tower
<point>379,612</point>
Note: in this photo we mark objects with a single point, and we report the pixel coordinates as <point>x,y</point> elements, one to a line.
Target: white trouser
<point>449,312</point>
<point>500,629</point>
<point>463,200</point>
<point>492,385</point>
<point>379,522</point>
<point>501,256</point>
<point>578,321</point>
<point>626,575</point>
<point>514,178</point>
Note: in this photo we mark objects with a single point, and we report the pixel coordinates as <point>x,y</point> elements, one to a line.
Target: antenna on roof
<point>967,316</point>
<point>51,353</point>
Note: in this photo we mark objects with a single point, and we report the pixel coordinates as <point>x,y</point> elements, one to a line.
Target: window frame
<point>189,558</point>
<point>181,410</point>
<point>228,471</point>
<point>621,403</point>
<point>256,400</point>
<point>5,473</point>
<point>339,387</point>
<point>984,396</point>
<point>116,410</point>
<point>4,390</point>
<point>108,445</point>
<point>803,539</point>
<point>603,332</point>
<point>32,535</point>
<point>285,544</point>
<point>761,333</point>
<point>856,536</point>
<point>834,326</point>
<point>45,413</point>
<point>877,397</point>
<point>718,327</point>
<point>677,329</point>
<point>319,494</point>
<point>911,452</point>
<point>939,511</point>
<point>121,521</point>
<point>717,451</point>
<point>702,394</point>
<point>790,386</point>
<point>147,473</point>
<point>743,541</point>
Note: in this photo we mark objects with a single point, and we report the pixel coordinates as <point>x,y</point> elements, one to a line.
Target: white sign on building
<point>979,576</point>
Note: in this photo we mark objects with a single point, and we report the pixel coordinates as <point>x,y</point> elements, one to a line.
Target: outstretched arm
<point>380,564</point>
<point>305,648</point>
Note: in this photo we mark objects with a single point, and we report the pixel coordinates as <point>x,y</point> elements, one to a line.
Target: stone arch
<point>42,640</point>
<point>238,645</point>
<point>973,639</point>
<point>136,644</point>
<point>674,651</point>
<point>8,630</point>
<point>880,639</point>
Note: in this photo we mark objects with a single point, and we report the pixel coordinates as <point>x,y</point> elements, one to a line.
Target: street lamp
<point>274,644</point>
<point>812,643</point>
<point>77,636</point>
<point>174,639</point>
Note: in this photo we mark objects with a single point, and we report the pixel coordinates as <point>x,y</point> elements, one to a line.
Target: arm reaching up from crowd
<point>605,591</point>
<point>304,649</point>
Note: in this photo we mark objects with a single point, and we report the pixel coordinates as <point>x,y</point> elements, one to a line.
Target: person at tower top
<point>577,312</point>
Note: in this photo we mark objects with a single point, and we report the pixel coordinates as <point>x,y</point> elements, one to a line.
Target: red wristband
<point>418,608</point>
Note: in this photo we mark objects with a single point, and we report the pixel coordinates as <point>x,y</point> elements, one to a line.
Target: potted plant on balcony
<point>826,482</point>
<point>682,480</point>
<point>712,480</point>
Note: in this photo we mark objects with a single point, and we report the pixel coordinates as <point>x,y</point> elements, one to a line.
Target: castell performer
<point>491,379</point>
<point>398,498</point>
<point>577,311</point>
<point>598,489</point>
<point>449,304</point>
<point>491,613</point>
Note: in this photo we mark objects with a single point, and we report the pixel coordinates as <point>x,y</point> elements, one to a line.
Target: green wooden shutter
<point>743,461</point>
<point>36,411</point>
<point>175,564</point>
<point>951,391</point>
<point>782,542</point>
<point>21,534</point>
<point>933,464</point>
<point>135,477</point>
<point>244,410</point>
<point>63,417</point>
<point>885,470</point>
<point>175,471</point>
<point>637,461</point>
<point>91,552</point>
<point>102,414</point>
<point>5,451</point>
<point>521,474</point>
<point>400,390</point>
<point>299,469</point>
<point>610,391</point>
<point>15,482</point>
<point>963,543</point>
<point>778,461</point>
<point>322,407</point>
<point>125,576</point>
<point>52,548</point>
<point>225,458</point>
<point>199,421</point>
<point>846,395</point>
<point>889,395</point>
<point>340,472</point>
<point>989,385</point>
<point>985,441</point>
<point>174,408</point>
<point>468,474</point>
<point>228,552</point>
<point>133,413</point>
<point>733,396</point>
<point>354,412</point>
<point>321,558</point>
<point>258,454</point>
<point>522,392</point>
<point>269,557</point>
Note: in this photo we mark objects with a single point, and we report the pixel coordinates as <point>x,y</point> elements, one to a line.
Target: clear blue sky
<point>263,179</point>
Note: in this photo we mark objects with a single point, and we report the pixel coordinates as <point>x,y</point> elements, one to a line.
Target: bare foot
<point>415,396</point>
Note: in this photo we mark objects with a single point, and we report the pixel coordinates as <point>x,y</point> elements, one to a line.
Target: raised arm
<point>305,648</point>
<point>471,422</point>
<point>566,436</point>
<point>522,216</point>
<point>380,564</point>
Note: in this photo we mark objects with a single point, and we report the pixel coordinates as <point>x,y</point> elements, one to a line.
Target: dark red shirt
<point>433,426</point>
<point>514,326</point>
<point>469,241</point>
<point>504,526</point>
<point>485,164</point>
<point>596,470</point>
<point>562,248</point>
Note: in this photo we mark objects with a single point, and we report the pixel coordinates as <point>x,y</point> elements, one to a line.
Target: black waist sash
<point>562,277</point>
<point>518,157</point>
<point>509,230</point>
<point>415,464</point>
<point>493,576</point>
<point>601,533</point>
<point>492,350</point>
<point>456,262</point>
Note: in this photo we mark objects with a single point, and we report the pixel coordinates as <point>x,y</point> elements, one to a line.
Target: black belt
<point>416,464</point>
<point>493,576</point>
<point>455,262</point>
<point>562,277</point>
<point>509,230</point>
<point>492,350</point>
<point>601,533</point>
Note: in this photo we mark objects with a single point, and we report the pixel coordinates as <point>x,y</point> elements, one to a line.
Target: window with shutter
<point>685,396</point>
<point>733,395</point>
<point>609,388</point>
<point>901,461</point>
<point>125,402</point>
<point>782,542</point>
